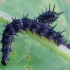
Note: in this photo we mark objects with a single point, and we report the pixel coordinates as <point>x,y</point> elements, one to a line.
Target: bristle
<point>53,8</point>
<point>60,13</point>
<point>49,6</point>
<point>54,26</point>
<point>62,31</point>
<point>26,16</point>
<point>12,18</point>
<point>15,18</point>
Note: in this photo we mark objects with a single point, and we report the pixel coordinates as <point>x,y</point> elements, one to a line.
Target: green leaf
<point>28,54</point>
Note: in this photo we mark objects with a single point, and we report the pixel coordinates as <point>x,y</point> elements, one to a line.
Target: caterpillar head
<point>48,16</point>
<point>4,62</point>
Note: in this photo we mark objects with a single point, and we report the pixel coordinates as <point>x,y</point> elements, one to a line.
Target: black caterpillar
<point>17,25</point>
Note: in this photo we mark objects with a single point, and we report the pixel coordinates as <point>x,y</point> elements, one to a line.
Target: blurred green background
<point>27,54</point>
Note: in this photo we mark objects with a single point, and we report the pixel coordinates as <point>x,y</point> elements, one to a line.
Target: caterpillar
<point>34,25</point>
<point>17,25</point>
<point>48,17</point>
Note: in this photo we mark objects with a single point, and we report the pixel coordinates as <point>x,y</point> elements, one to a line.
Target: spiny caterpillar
<point>17,25</point>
